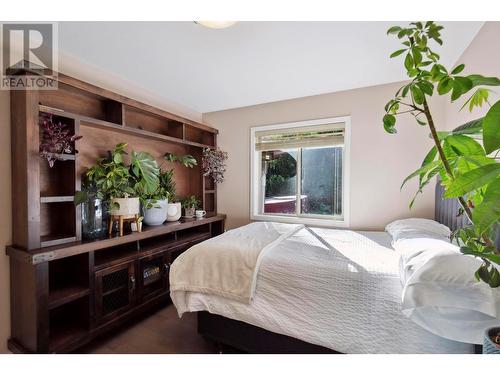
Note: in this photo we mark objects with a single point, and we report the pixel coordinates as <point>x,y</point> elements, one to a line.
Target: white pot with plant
<point>121,184</point>
<point>174,208</point>
<point>155,206</point>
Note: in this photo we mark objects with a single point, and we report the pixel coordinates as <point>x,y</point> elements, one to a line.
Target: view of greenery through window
<point>321,181</point>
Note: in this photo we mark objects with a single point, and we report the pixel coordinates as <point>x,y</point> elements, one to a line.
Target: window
<point>299,172</point>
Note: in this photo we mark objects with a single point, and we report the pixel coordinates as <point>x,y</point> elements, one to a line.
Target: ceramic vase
<point>157,214</point>
<point>174,211</point>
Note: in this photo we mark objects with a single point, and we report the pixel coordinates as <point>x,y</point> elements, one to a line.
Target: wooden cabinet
<point>152,274</point>
<point>115,291</point>
<point>64,290</point>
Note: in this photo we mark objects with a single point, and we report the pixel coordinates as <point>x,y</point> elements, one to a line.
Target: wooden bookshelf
<point>64,290</point>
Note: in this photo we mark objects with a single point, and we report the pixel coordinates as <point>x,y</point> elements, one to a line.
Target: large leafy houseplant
<point>111,177</point>
<point>463,158</point>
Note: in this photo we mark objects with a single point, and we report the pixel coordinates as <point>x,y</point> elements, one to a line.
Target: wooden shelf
<point>67,294</point>
<point>68,323</point>
<point>93,122</point>
<point>61,296</point>
<point>78,247</point>
<point>65,336</point>
<point>54,240</point>
<point>57,199</point>
<point>110,256</point>
<point>63,157</point>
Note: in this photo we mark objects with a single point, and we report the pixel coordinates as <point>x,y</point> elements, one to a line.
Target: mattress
<point>336,288</point>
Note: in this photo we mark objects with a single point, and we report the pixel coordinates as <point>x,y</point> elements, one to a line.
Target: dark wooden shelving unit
<point>65,291</point>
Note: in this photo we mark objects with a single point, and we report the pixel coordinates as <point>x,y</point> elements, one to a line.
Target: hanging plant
<point>57,139</point>
<point>214,164</point>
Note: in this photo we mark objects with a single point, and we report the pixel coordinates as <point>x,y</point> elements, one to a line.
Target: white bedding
<point>335,288</point>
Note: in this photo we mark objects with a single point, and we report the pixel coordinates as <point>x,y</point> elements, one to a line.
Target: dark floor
<point>159,333</point>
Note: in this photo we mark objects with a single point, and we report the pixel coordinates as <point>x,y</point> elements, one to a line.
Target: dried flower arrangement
<point>214,164</point>
<point>57,139</point>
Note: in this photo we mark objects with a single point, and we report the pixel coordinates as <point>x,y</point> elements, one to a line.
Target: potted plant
<point>155,205</point>
<point>120,184</point>
<point>214,164</point>
<point>57,139</point>
<point>190,204</point>
<point>174,208</point>
<point>463,158</point>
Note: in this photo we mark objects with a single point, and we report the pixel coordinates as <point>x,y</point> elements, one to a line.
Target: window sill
<point>331,223</point>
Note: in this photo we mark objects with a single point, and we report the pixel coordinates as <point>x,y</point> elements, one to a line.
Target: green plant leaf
<point>389,122</point>
<point>417,56</point>
<point>471,127</point>
<point>418,95</point>
<point>397,53</point>
<point>420,122</point>
<point>422,170</point>
<point>494,277</point>
<point>479,80</point>
<point>491,128</point>
<point>461,85</point>
<point>445,85</point>
<point>117,158</point>
<point>426,87</point>
<point>146,171</point>
<point>408,62</point>
<point>464,145</point>
<point>458,69</point>
<point>488,211</point>
<point>441,134</point>
<point>472,180</point>
<point>477,99</point>
<point>394,30</point>
<point>80,197</point>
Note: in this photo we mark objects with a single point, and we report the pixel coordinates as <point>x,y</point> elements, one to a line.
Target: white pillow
<point>417,228</point>
<point>442,295</point>
<point>440,292</point>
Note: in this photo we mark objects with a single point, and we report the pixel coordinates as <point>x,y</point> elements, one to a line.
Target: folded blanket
<point>227,265</point>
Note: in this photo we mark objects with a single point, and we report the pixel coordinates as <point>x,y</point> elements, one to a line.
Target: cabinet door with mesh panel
<point>153,275</point>
<point>115,291</point>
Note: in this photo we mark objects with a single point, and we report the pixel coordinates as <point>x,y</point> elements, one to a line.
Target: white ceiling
<point>250,63</point>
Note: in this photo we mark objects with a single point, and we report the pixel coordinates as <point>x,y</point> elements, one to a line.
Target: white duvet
<point>335,288</point>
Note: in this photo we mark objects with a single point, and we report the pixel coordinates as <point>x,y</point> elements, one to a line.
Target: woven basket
<point>489,347</point>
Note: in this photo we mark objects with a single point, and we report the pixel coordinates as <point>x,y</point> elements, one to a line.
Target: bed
<point>319,291</point>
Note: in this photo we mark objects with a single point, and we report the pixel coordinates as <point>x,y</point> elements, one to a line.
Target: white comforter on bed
<point>335,288</point>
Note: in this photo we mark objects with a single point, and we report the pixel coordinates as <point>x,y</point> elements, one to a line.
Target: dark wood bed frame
<point>251,339</point>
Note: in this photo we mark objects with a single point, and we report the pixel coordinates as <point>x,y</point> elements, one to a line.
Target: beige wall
<point>379,161</point>
<point>481,57</point>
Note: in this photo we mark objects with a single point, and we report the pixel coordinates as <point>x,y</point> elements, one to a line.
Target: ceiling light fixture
<point>216,24</point>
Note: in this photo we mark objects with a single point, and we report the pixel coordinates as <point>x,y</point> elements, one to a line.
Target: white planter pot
<point>174,211</point>
<point>157,214</point>
<point>128,207</point>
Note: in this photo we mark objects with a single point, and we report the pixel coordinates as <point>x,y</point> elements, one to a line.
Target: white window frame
<point>255,170</point>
